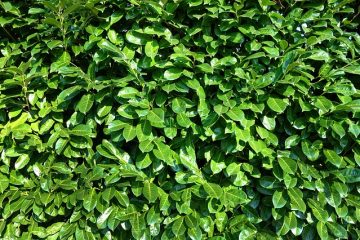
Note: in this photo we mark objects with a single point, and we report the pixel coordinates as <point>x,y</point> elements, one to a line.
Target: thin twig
<point>8,33</point>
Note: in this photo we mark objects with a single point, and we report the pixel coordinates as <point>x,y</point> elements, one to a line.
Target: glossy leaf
<point>86,103</point>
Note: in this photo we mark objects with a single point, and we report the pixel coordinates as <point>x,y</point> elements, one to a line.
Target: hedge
<point>183,119</point>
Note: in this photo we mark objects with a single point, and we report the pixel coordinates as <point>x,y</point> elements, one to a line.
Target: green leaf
<point>151,49</point>
<point>4,183</point>
<point>322,231</point>
<point>278,199</point>
<point>353,106</point>
<point>173,73</point>
<point>35,10</point>
<point>227,61</point>
<point>319,55</point>
<point>85,103</point>
<point>81,130</point>
<point>311,153</point>
<point>101,221</point>
<point>288,165</point>
<point>195,233</point>
<point>114,37</point>
<point>150,191</point>
<point>292,141</point>
<point>188,156</point>
<point>129,132</point>
<point>163,152</point>
<point>351,175</point>
<point>333,158</point>
<point>144,130</point>
<point>137,225</point>
<point>178,227</point>
<point>106,45</point>
<point>103,110</point>
<point>205,67</point>
<point>213,190</point>
<point>114,151</point>
<point>296,197</point>
<point>137,38</point>
<point>354,69</point>
<point>276,104</point>
<point>61,168</point>
<point>54,228</point>
<point>337,230</point>
<point>157,117</point>
<point>178,105</point>
<point>257,145</point>
<point>234,197</point>
<point>122,198</point>
<point>146,146</point>
<point>323,104</point>
<point>62,61</point>
<point>183,120</point>
<point>318,211</point>
<point>90,201</point>
<point>272,51</point>
<point>235,114</point>
<point>22,161</point>
<point>179,119</point>
<point>269,123</point>
<point>68,94</point>
<point>128,92</point>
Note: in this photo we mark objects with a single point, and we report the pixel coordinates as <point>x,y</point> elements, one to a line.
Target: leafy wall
<point>194,119</point>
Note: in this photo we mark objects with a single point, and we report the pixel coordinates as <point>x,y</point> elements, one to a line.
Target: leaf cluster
<point>185,119</point>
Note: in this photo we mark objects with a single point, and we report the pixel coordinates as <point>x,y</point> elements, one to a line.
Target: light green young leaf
<point>183,120</point>
<point>157,117</point>
<point>85,103</point>
<point>101,221</point>
<point>146,146</point>
<point>178,227</point>
<point>4,183</point>
<point>276,104</point>
<point>150,191</point>
<point>62,61</point>
<point>205,67</point>
<point>334,158</point>
<point>129,132</point>
<point>235,114</point>
<point>137,38</point>
<point>319,55</point>
<point>128,92</point>
<point>311,152</point>
<point>296,197</point>
<point>178,105</point>
<point>288,165</point>
<point>188,156</point>
<point>318,211</point>
<point>22,161</point>
<point>323,104</point>
<point>322,231</point>
<point>81,130</point>
<point>151,48</point>
<point>163,152</point>
<point>278,199</point>
<point>173,73</point>
<point>90,201</point>
<point>213,190</point>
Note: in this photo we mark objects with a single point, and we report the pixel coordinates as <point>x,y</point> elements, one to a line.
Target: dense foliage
<point>186,119</point>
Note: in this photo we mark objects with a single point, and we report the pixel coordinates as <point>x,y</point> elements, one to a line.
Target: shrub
<point>197,119</point>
